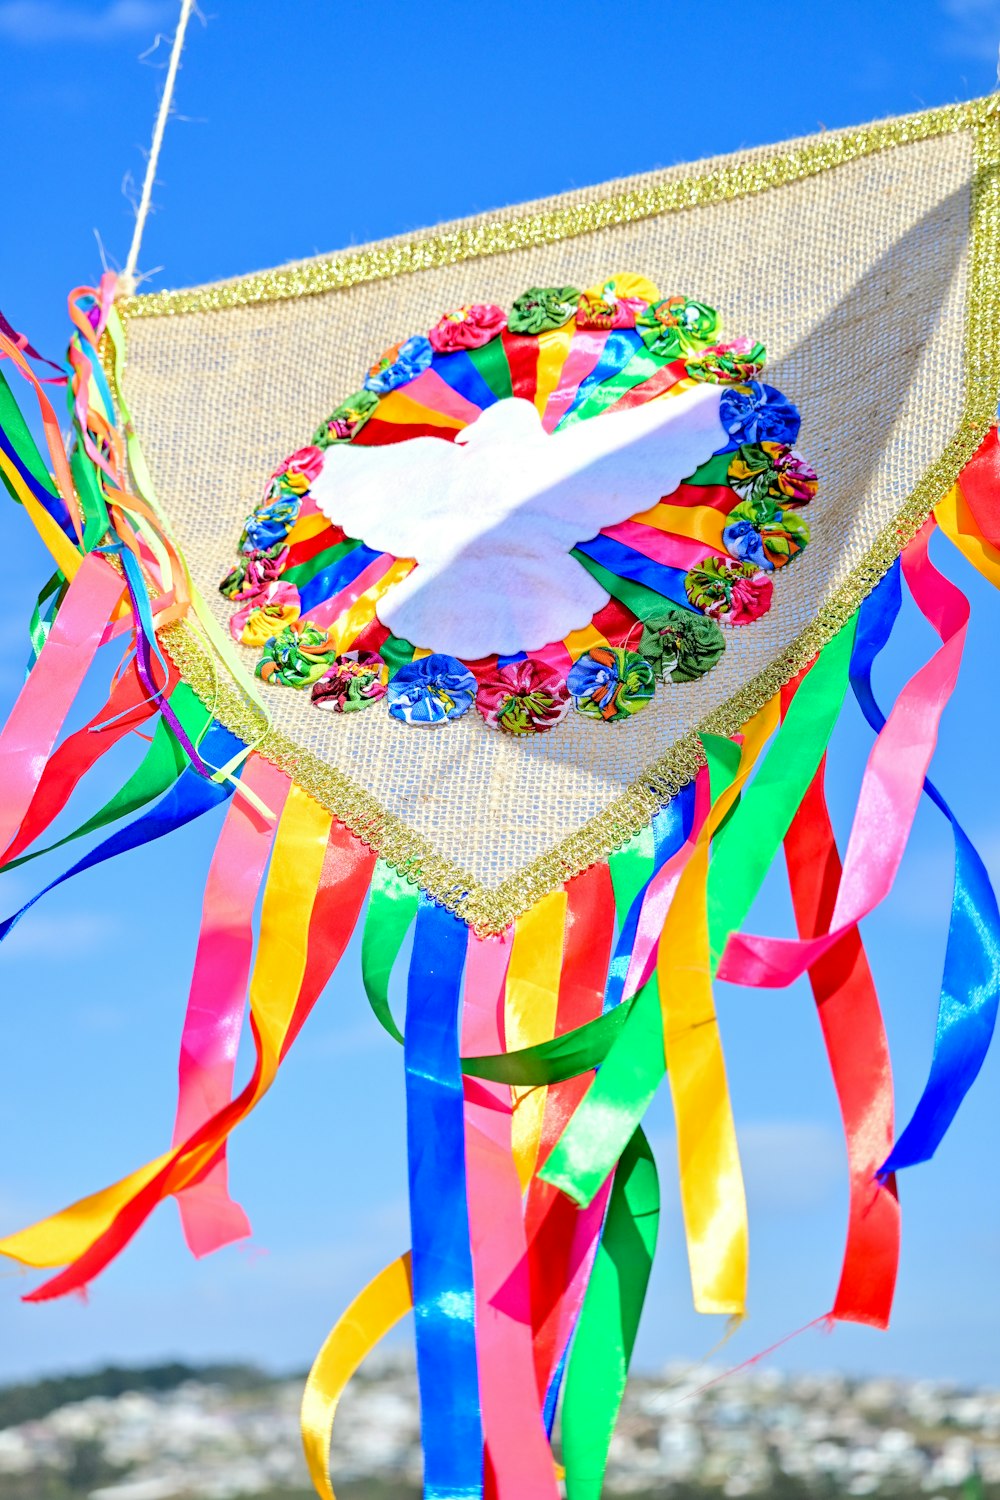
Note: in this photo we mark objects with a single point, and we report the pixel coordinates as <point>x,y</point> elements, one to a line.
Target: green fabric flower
<point>680,644</point>
<point>677,326</point>
<point>348,419</point>
<point>543,307</point>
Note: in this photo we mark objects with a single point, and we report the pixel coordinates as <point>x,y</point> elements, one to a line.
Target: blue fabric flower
<point>743,541</point>
<point>610,683</point>
<point>757,413</point>
<point>270,525</point>
<point>399,365</point>
<point>431,690</point>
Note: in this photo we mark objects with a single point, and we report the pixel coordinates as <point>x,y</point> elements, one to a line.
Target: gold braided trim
<point>489,910</point>
<point>512,231</point>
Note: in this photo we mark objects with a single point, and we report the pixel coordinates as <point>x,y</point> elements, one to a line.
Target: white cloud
<point>50,21</point>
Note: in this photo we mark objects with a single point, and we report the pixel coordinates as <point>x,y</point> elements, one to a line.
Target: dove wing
<point>603,471</point>
<point>368,491</point>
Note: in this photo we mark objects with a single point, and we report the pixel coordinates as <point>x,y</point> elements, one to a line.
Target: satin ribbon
<point>439,396</point>
<point>602,1348</point>
<point>664,547</point>
<point>337,577</point>
<point>682,1026</point>
<point>522,354</point>
<point>127,707</point>
<point>611,558</point>
<point>701,523</point>
<point>554,346</point>
<point>214,1018</point>
<point>858,1051</point>
<point>328,611</point>
<point>641,369</point>
<point>619,347</point>
<point>392,910</point>
<point>443,1293</point>
<point>459,372</point>
<point>490,361</point>
<point>317,871</point>
<point>398,407</point>
<point>519,1462</point>
<point>979,483</point>
<point>970,989</point>
<point>530,1006</point>
<point>958,522</point>
<point>889,793</point>
<point>557,1238</point>
<point>386,1299</point>
<point>320,554</point>
<point>584,355</point>
<point>158,771</point>
<point>42,705</point>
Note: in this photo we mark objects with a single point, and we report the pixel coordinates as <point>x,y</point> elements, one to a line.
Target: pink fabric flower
<point>524,697</point>
<point>750,598</point>
<point>265,613</point>
<point>305,461</point>
<point>468,327</point>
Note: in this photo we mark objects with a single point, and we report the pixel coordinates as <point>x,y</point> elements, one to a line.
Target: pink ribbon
<point>324,614</point>
<point>663,546</point>
<point>430,390</point>
<point>890,791</point>
<point>584,354</point>
<point>43,703</point>
<point>519,1456</point>
<point>217,998</point>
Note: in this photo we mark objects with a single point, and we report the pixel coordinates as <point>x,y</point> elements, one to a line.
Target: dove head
<point>492,517</point>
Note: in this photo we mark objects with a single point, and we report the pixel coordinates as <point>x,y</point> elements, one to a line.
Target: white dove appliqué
<point>492,517</point>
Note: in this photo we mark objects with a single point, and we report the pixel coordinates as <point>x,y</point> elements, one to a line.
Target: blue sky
<point>302,129</point>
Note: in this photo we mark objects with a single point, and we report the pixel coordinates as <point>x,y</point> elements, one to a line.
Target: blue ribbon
<point>671,827</point>
<point>970,987</point>
<point>190,796</point>
<point>337,576</point>
<point>625,562</point>
<point>443,1297</point>
<point>621,344</point>
<point>458,371</point>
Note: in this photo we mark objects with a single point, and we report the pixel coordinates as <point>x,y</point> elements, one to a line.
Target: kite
<point>520,645</point>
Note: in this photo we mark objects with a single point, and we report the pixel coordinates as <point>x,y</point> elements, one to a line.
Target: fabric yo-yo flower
<point>268,612</point>
<point>756,413</point>
<point>348,419</point>
<point>543,307</point>
<point>523,697</point>
<point>676,326</point>
<point>760,472</point>
<point>680,644</point>
<point>611,683</point>
<point>467,327</point>
<point>737,363</point>
<point>605,309</point>
<point>762,533</point>
<point>298,472</point>
<point>431,690</point>
<point>253,571</point>
<point>296,656</point>
<point>355,680</point>
<point>734,593</point>
<point>399,365</point>
<point>269,526</point>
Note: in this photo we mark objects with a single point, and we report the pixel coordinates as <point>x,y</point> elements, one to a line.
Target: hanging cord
<point>127,278</point>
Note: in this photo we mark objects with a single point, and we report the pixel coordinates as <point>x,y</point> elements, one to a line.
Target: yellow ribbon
<point>959,525</point>
<point>711,1181</point>
<point>386,1299</point>
<point>531,1003</point>
<point>699,522</point>
<point>65,555</point>
<point>580,641</point>
<point>279,968</point>
<point>397,407</point>
<point>357,617</point>
<point>553,347</point>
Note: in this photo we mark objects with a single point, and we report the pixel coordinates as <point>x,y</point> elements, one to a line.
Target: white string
<point>127,278</point>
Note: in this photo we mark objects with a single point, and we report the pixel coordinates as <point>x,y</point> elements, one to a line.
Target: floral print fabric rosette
<point>613,386</point>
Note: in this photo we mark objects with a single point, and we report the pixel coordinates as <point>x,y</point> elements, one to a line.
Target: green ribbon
<point>159,768</point>
<point>392,908</point>
<point>742,853</point>
<point>609,1319</point>
<point>19,434</point>
<point>491,362</point>
<point>643,602</point>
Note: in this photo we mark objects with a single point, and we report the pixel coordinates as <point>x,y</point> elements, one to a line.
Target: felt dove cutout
<point>492,517</point>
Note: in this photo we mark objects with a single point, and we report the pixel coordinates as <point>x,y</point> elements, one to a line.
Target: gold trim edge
<point>489,910</point>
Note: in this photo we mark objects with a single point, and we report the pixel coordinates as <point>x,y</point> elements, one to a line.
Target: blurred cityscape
<point>175,1432</point>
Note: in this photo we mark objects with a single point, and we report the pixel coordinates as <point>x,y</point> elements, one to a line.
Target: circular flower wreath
<point>307,594</point>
